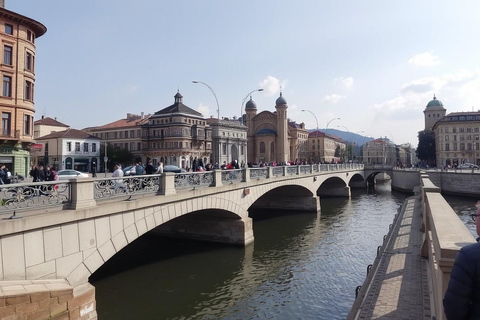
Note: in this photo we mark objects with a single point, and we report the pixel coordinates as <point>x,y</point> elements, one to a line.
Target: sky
<point>373,64</point>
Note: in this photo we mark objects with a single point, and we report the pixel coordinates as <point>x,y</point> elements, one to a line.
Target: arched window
<point>262,147</point>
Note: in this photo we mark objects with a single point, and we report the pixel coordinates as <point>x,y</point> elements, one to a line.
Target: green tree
<point>116,155</point>
<point>426,147</point>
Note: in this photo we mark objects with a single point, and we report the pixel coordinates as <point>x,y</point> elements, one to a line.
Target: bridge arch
<point>92,248</point>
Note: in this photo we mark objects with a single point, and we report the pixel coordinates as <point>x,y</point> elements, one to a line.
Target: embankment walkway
<point>397,286</point>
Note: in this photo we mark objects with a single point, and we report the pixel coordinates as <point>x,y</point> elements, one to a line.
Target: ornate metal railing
<point>305,169</point>
<point>292,171</point>
<point>33,195</point>
<point>193,180</point>
<point>258,173</point>
<point>277,171</point>
<point>110,187</point>
<point>231,176</point>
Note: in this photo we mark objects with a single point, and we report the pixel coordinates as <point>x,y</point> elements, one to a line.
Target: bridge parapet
<point>445,234</point>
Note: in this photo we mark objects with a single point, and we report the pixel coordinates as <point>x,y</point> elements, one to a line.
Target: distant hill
<point>349,137</point>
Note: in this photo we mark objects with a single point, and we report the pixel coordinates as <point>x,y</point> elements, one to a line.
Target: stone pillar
<point>167,184</point>
<point>217,178</point>
<point>269,173</point>
<point>82,191</point>
<point>246,171</point>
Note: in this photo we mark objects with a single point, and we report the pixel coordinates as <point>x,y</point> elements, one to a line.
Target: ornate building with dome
<point>433,112</point>
<point>272,137</point>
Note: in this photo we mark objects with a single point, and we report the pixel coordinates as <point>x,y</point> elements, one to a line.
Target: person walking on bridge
<point>462,299</point>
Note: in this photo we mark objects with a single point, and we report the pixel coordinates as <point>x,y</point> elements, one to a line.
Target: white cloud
<point>332,98</point>
<point>271,86</point>
<point>426,59</point>
<point>204,110</point>
<point>345,82</point>
<point>459,89</point>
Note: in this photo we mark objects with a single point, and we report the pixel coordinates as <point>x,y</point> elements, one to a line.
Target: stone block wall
<point>46,299</point>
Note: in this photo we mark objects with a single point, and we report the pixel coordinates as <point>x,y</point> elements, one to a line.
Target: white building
<point>70,149</point>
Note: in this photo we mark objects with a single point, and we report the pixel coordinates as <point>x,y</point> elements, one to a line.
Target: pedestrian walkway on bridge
<point>397,286</point>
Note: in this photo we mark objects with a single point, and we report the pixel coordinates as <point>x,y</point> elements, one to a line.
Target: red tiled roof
<point>122,123</point>
<point>47,121</point>
<point>69,133</point>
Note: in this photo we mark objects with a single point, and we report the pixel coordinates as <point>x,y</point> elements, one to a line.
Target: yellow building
<point>457,139</point>
<point>272,137</point>
<point>325,148</point>
<point>18,34</point>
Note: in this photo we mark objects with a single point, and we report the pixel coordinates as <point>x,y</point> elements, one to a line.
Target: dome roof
<point>280,100</point>
<point>251,105</point>
<point>434,103</point>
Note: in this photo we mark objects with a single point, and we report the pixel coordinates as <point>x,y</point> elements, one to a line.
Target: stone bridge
<point>55,248</point>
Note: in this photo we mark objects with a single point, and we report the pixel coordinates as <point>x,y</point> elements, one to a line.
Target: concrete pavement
<point>397,286</point>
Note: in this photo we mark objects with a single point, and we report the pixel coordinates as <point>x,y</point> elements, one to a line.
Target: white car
<point>467,166</point>
<point>69,174</point>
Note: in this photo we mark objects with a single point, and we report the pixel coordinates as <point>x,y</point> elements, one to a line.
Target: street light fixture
<point>213,92</point>
<point>326,130</point>
<point>313,116</point>
<point>243,102</point>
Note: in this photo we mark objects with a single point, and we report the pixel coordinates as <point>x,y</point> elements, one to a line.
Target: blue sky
<point>374,64</point>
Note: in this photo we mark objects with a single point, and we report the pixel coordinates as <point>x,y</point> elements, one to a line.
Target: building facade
<point>325,148</point>
<point>379,151</point>
<point>18,35</point>
<point>70,149</point>
<point>457,139</point>
<point>298,140</point>
<point>47,125</point>
<point>124,134</point>
<point>270,137</point>
<point>229,141</point>
<point>177,135</point>
<point>433,112</point>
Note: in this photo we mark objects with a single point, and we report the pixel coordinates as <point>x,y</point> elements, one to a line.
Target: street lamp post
<point>213,92</point>
<point>313,116</point>
<point>326,130</point>
<point>243,102</point>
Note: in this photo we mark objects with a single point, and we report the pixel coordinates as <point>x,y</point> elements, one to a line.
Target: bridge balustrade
<point>258,173</point>
<point>65,194</point>
<point>233,176</point>
<point>444,235</point>
<point>109,187</point>
<point>194,179</point>
<point>24,196</point>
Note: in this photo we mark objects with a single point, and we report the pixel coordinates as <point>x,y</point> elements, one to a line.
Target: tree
<point>116,155</point>
<point>426,147</point>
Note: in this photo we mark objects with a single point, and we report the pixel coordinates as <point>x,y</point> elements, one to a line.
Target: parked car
<point>69,174</point>
<point>129,171</point>
<point>467,166</point>
<point>172,168</point>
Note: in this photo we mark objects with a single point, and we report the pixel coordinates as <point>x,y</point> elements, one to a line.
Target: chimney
<point>42,114</point>
<point>2,4</point>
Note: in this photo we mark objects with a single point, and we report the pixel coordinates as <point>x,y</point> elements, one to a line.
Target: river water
<point>301,266</point>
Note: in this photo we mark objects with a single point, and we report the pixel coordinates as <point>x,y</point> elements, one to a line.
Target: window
<point>26,125</point>
<point>29,35</point>
<point>7,86</point>
<point>132,146</point>
<point>262,147</point>
<point>94,147</point>
<point>6,123</point>
<point>29,61</point>
<point>8,28</point>
<point>28,90</point>
<point>69,146</point>
<point>7,55</point>
<point>85,147</point>
<point>126,134</point>
<point>77,146</point>
<point>224,148</point>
